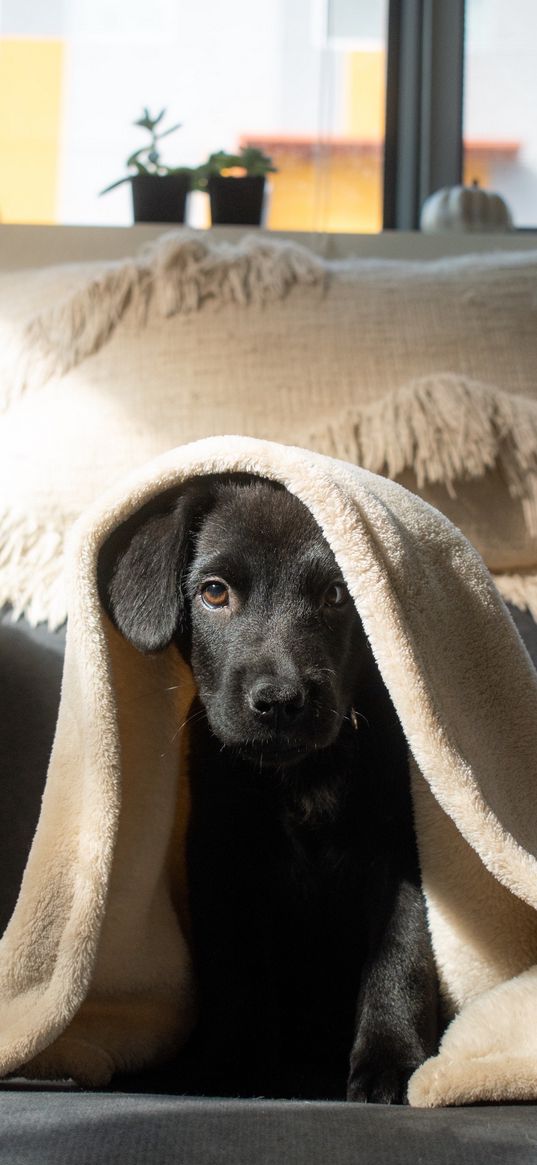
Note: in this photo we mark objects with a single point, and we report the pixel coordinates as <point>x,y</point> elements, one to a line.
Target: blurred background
<point>303,79</point>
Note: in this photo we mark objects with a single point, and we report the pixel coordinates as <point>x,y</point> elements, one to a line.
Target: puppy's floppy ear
<point>140,568</point>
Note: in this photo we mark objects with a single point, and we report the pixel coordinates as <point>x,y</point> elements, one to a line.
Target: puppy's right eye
<point>335,595</point>
<point>214,594</point>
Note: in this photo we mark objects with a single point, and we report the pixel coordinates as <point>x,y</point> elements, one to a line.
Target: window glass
<point>500,102</point>
<point>303,79</point>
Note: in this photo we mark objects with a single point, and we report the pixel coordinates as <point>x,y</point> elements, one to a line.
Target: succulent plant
<point>252,160</point>
<point>146,160</point>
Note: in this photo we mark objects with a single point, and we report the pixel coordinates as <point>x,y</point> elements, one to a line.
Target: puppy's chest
<point>315,869</point>
<point>316,913</point>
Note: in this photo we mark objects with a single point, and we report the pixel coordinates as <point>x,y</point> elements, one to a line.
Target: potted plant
<point>235,184</point>
<point>158,191</point>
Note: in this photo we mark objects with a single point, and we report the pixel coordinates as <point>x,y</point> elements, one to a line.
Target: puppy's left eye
<point>335,595</point>
<point>214,593</point>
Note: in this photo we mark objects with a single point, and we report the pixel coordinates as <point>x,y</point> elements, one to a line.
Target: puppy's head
<point>237,571</point>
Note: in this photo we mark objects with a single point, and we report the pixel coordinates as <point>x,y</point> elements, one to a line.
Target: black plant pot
<point>159,197</point>
<point>236,200</point>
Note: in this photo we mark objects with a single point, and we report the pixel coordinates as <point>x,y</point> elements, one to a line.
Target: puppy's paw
<point>380,1069</point>
<point>373,1082</point>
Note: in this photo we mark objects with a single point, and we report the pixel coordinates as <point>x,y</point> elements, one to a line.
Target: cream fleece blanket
<point>94,969</point>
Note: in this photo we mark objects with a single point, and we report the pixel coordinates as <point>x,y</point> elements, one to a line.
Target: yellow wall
<point>30,97</point>
<point>340,191</point>
<point>365,94</point>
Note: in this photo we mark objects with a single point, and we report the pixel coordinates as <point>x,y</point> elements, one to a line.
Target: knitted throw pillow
<point>422,371</point>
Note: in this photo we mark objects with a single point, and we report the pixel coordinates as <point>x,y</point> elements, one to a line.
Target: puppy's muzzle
<point>277,713</point>
<point>276,703</point>
<point>285,716</point>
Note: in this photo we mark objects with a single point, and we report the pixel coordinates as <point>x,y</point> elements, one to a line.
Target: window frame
<point>424,106</point>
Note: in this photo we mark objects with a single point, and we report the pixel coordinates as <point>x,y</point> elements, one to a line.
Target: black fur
<point>309,934</point>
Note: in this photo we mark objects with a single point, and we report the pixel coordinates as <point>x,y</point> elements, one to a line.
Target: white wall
<point>501,93</point>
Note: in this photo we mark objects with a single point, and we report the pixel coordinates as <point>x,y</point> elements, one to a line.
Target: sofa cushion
<point>424,371</point>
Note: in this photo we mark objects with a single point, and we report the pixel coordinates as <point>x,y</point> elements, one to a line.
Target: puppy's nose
<point>276,701</point>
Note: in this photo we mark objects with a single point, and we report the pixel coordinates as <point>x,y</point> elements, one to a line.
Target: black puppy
<point>310,941</point>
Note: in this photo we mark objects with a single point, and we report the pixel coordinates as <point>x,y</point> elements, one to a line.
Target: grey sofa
<point>140,1119</point>
<point>49,1126</point>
